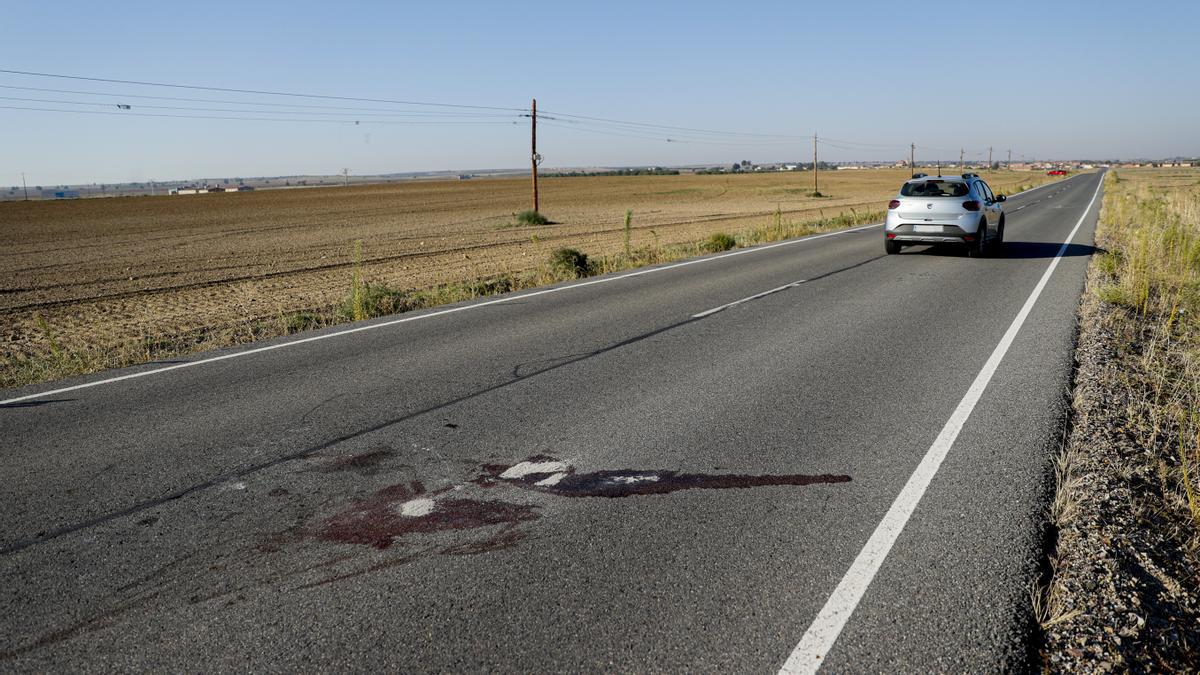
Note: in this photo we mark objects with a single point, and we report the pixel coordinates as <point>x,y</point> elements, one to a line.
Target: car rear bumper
<point>923,233</point>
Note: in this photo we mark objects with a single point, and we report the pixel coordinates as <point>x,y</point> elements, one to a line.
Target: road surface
<point>800,454</point>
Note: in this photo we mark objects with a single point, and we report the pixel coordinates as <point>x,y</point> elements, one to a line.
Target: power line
<point>591,124</point>
<point>123,95</point>
<point>607,131</point>
<point>452,115</point>
<point>262,92</point>
<point>668,127</point>
<point>262,119</point>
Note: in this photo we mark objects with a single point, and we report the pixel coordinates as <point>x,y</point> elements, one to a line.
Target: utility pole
<point>533,155</point>
<point>989,158</point>
<point>815,189</point>
<point>1009,166</point>
<point>960,159</point>
<point>912,158</point>
<point>345,177</point>
<point>23,185</point>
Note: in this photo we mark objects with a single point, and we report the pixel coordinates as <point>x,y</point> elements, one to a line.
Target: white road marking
<point>820,637</point>
<point>525,468</point>
<point>630,480</point>
<point>415,508</point>
<point>551,481</point>
<point>756,296</point>
<point>430,315</point>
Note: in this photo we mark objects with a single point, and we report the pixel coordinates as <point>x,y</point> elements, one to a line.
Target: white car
<point>946,210</point>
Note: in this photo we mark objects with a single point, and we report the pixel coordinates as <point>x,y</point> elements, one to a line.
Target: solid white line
<point>430,315</point>
<point>820,637</point>
<point>756,296</point>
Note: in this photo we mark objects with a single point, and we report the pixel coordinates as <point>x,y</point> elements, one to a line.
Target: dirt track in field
<point>108,272</point>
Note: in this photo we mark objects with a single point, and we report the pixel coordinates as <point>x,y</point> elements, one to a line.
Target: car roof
<point>948,178</point>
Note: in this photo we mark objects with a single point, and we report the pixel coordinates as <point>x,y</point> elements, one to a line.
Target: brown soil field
<point>100,274</point>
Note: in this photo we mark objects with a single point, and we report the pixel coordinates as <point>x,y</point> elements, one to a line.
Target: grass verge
<point>1126,564</point>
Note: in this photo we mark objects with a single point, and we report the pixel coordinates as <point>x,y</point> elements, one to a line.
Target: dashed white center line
<point>714,310</point>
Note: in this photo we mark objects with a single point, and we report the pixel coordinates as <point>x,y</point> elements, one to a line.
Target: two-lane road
<point>681,468</point>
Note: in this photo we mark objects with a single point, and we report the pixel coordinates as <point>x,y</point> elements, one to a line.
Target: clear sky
<point>1047,79</point>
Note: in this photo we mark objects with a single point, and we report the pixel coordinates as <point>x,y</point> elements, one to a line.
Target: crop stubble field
<point>101,275</point>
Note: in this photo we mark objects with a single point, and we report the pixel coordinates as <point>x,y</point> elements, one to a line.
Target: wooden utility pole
<point>1009,167</point>
<point>912,158</point>
<point>533,156</point>
<point>961,166</point>
<point>815,189</point>
<point>989,158</point>
<point>23,185</point>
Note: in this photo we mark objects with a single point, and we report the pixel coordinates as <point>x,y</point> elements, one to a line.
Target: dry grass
<point>98,283</point>
<point>1151,232</point>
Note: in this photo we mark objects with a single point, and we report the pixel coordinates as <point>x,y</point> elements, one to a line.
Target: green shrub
<point>531,217</point>
<point>569,262</point>
<point>718,241</point>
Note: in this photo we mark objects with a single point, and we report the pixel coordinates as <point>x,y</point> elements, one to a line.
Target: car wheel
<point>998,242</point>
<point>978,248</point>
<point>891,246</point>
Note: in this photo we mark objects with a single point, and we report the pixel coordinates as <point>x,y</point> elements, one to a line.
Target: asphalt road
<point>591,478</point>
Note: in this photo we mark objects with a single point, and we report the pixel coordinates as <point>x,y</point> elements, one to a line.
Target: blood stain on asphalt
<point>380,520</point>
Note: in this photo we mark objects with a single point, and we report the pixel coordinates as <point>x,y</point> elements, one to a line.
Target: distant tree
<point>736,167</point>
<point>746,164</point>
<point>995,166</point>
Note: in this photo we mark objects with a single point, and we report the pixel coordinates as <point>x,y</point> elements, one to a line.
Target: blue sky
<point>1051,79</point>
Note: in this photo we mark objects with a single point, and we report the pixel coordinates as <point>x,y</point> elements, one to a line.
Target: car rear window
<point>934,188</point>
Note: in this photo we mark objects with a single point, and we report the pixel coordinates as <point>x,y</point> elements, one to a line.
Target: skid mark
<point>364,462</point>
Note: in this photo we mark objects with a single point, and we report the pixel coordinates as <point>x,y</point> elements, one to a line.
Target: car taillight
<point>971,205</point>
<point>894,204</point>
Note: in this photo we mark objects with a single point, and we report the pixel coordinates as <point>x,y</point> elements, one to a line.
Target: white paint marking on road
<point>756,296</point>
<point>630,480</point>
<point>430,315</point>
<point>551,481</point>
<point>415,508</point>
<point>525,468</point>
<point>820,637</point>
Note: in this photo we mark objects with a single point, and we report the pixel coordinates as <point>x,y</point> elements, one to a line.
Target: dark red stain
<point>627,483</point>
<point>377,520</point>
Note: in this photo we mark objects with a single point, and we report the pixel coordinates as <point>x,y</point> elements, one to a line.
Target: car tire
<point>891,246</point>
<point>979,247</point>
<point>998,242</point>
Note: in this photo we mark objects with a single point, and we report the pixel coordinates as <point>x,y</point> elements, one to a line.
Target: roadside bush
<point>570,263</point>
<point>531,217</point>
<point>718,241</point>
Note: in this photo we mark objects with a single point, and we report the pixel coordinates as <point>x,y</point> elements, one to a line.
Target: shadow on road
<point>1017,250</point>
